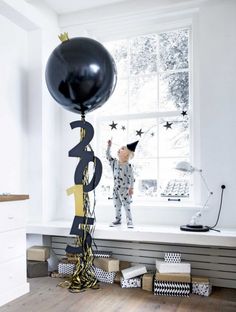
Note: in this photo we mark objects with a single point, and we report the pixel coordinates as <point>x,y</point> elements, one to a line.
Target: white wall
<point>13,108</point>
<point>217,48</point>
<point>29,36</point>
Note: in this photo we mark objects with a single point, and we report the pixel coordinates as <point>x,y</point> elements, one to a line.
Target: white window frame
<point>194,131</point>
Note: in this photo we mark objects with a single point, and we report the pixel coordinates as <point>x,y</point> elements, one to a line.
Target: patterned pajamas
<point>122,198</point>
<point>123,181</point>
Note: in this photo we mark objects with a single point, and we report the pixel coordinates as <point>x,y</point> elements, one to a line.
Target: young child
<point>123,181</point>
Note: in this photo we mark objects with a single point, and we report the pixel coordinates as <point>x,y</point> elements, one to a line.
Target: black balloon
<point>81,75</point>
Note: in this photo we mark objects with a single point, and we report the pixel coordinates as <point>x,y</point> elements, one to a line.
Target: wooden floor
<point>45,296</point>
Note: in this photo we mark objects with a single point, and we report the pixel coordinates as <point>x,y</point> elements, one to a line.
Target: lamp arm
<point>207,200</point>
<point>198,214</point>
<point>205,183</point>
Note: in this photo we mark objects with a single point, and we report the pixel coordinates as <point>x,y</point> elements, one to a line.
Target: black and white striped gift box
<point>163,288</point>
<point>102,254</point>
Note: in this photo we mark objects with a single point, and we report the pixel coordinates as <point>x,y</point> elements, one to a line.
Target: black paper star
<point>168,125</point>
<point>184,113</point>
<point>123,128</point>
<point>113,125</point>
<point>139,132</point>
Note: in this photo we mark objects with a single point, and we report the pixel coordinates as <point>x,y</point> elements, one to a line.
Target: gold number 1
<point>77,190</point>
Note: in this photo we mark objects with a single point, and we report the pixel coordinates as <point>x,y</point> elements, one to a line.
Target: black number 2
<point>85,156</point>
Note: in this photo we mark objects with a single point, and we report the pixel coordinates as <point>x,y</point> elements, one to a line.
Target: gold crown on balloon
<point>63,37</point>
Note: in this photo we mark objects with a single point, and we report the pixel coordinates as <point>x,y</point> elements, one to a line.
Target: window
<point>151,103</point>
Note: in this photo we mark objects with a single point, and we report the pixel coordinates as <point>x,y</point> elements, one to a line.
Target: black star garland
<point>113,125</point>
<point>168,125</point>
<point>139,132</point>
<point>184,113</point>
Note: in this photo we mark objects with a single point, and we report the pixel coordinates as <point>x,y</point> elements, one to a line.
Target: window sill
<point>158,205</point>
<point>158,234</point>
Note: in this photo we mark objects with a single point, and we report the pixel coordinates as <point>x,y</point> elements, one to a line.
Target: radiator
<point>217,263</point>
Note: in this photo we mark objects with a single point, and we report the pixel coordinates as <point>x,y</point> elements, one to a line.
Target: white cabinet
<point>13,248</point>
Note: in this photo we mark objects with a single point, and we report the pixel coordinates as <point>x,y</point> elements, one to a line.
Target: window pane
<point>118,136</point>
<point>143,64</point>
<point>174,141</point>
<point>143,56</point>
<point>174,50</point>
<point>145,45</point>
<point>118,102</point>
<point>168,173</point>
<point>145,171</point>
<point>119,51</point>
<point>147,146</point>
<point>143,94</point>
<point>174,91</point>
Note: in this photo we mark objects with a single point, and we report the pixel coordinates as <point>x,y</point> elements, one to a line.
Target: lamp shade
<point>185,167</point>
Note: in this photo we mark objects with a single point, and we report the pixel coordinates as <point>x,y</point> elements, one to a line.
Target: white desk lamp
<point>193,225</point>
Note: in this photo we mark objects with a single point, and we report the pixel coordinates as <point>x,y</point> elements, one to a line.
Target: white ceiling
<point>69,6</point>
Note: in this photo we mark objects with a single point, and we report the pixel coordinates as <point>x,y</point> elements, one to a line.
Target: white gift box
<point>134,271</point>
<point>131,282</point>
<point>166,267</point>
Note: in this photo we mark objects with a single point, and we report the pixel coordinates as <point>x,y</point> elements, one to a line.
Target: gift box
<point>130,283</point>
<point>38,253</point>
<point>163,288</point>
<point>147,281</point>
<point>37,268</point>
<point>172,257</point>
<point>103,276</point>
<point>107,264</point>
<point>66,269</point>
<point>173,277</point>
<point>134,271</point>
<point>165,267</point>
<point>201,286</point>
<point>102,254</point>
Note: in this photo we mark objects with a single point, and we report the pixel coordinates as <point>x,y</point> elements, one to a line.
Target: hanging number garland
<point>82,226</point>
